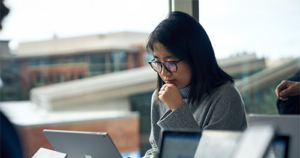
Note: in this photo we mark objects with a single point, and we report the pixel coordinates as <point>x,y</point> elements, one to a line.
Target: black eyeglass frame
<point>162,64</point>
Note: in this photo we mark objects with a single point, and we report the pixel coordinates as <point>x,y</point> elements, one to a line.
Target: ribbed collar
<point>184,92</point>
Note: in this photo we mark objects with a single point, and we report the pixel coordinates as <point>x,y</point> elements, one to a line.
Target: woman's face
<point>182,77</point>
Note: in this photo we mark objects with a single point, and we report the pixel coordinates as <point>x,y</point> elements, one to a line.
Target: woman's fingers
<point>170,95</point>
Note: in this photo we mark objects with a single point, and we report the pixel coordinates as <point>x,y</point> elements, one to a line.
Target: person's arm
<point>181,117</point>
<point>287,88</point>
<point>291,105</point>
<point>165,122</point>
<point>179,114</point>
<point>227,113</point>
<point>154,148</point>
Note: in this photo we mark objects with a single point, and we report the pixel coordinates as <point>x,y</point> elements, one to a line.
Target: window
<point>80,76</point>
<point>51,78</point>
<point>33,62</point>
<point>53,60</point>
<point>254,43</point>
<point>40,79</point>
<point>72,76</point>
<point>79,59</point>
<point>58,78</point>
<point>43,61</point>
<point>118,61</point>
<point>97,58</point>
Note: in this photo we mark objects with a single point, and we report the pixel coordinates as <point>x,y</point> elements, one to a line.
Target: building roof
<point>85,44</point>
<point>102,83</point>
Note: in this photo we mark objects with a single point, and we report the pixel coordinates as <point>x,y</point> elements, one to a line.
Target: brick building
<point>59,60</point>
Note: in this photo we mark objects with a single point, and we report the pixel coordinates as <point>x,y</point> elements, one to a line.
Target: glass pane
<point>66,61</point>
<point>255,46</point>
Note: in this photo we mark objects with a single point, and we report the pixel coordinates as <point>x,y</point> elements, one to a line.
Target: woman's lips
<point>170,81</point>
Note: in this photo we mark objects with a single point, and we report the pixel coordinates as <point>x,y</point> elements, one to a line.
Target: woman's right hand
<point>170,95</point>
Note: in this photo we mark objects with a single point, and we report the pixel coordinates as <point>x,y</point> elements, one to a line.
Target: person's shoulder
<point>154,93</point>
<point>227,94</point>
<point>227,87</point>
<point>154,97</point>
<point>227,90</point>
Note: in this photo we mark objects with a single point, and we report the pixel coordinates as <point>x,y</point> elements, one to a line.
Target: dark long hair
<point>182,36</point>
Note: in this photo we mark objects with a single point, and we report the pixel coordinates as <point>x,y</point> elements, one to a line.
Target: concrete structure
<point>111,91</point>
<point>242,65</point>
<point>4,53</point>
<point>190,7</point>
<point>121,41</point>
<point>105,92</point>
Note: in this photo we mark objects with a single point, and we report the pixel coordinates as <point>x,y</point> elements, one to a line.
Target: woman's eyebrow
<point>166,57</point>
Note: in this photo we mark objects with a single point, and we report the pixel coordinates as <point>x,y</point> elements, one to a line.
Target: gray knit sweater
<point>223,109</point>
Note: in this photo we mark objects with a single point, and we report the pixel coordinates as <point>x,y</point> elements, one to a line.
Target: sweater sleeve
<point>154,146</point>
<point>227,112</point>
<point>180,118</point>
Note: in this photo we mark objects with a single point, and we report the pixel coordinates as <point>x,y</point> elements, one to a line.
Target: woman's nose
<point>164,71</point>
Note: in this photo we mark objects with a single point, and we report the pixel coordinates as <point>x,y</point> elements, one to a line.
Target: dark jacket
<point>290,106</point>
<point>10,144</point>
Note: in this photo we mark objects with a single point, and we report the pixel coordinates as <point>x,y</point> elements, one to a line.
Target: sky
<point>269,28</point>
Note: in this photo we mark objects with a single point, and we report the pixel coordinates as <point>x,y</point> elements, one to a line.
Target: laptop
<point>279,147</point>
<point>82,144</point>
<point>221,144</point>
<point>255,141</point>
<point>286,144</point>
<point>217,144</point>
<point>180,143</point>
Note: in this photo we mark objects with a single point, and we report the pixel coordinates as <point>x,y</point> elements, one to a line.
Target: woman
<point>193,92</point>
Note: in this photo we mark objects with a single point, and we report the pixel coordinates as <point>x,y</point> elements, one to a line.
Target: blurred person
<point>288,93</point>
<point>9,139</point>
<point>10,144</point>
<point>3,12</point>
<point>193,92</point>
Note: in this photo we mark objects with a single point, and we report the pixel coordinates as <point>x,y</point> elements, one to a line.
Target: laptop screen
<point>279,147</point>
<point>179,144</point>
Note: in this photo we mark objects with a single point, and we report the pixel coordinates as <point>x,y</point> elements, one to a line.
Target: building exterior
<point>5,54</point>
<point>60,60</point>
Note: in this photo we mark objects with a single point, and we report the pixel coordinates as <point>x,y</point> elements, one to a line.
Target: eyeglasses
<point>170,66</point>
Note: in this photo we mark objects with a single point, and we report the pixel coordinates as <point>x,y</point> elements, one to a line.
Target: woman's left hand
<point>170,95</point>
